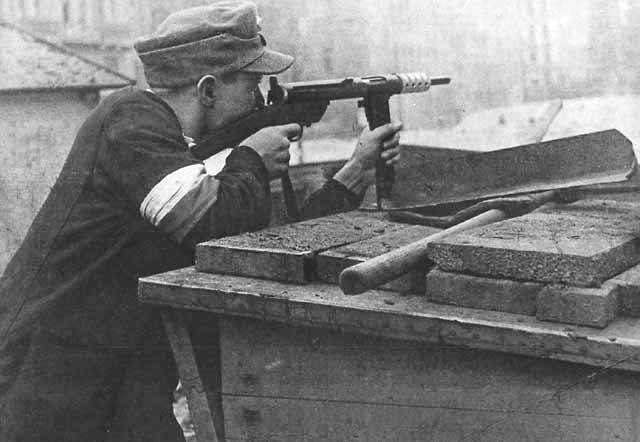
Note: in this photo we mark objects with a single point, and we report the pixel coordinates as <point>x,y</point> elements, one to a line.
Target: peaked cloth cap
<point>213,39</point>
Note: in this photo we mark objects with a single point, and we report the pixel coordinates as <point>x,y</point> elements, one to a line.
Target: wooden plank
<point>385,313</point>
<point>580,244</point>
<point>268,419</point>
<point>285,253</point>
<point>329,264</point>
<point>272,373</point>
<point>262,358</point>
<point>189,373</point>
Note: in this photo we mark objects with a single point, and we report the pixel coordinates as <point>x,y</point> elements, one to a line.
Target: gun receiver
<point>306,102</point>
<point>374,92</point>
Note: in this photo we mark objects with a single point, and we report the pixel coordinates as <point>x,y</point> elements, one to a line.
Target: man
<point>80,359</point>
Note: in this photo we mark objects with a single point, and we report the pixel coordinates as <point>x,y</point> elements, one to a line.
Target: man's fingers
<point>284,156</point>
<point>387,130</point>
<point>390,153</point>
<point>292,130</point>
<point>391,142</point>
<point>393,161</point>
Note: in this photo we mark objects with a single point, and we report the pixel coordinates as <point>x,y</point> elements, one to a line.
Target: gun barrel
<point>437,81</point>
<point>352,87</point>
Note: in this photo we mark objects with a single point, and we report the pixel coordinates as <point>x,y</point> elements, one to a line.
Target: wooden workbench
<point>294,362</point>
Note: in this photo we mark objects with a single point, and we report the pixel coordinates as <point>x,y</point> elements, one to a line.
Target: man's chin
<point>236,118</point>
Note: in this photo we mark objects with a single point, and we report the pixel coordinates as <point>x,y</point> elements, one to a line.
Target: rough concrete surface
<point>503,295</point>
<point>580,244</point>
<point>330,263</point>
<point>285,253</point>
<point>595,307</point>
<point>629,291</point>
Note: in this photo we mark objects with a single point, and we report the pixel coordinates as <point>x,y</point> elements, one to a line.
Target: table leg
<point>186,362</point>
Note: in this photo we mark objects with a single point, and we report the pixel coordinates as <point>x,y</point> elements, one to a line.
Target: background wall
<point>37,132</point>
<point>497,52</point>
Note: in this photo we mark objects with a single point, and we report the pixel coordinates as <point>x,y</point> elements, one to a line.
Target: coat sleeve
<point>333,197</point>
<point>150,167</point>
<point>244,199</point>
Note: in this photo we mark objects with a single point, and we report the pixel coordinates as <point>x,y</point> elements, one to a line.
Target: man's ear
<point>206,90</point>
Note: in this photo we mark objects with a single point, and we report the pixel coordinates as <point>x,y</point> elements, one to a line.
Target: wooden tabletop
<point>390,314</point>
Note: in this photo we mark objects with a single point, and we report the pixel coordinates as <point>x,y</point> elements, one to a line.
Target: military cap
<point>213,39</point>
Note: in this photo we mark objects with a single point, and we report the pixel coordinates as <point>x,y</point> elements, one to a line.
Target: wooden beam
<point>389,314</point>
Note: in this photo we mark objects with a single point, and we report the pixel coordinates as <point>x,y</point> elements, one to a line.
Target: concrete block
<point>580,244</point>
<point>629,291</point>
<point>595,307</point>
<point>483,293</point>
<point>286,253</point>
<point>330,263</point>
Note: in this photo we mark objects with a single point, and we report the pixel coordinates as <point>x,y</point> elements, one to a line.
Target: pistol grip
<point>376,109</point>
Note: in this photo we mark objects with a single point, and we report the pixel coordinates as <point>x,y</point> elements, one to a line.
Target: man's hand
<point>272,144</point>
<point>359,172</point>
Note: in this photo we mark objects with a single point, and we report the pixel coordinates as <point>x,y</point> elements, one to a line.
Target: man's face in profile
<point>236,97</point>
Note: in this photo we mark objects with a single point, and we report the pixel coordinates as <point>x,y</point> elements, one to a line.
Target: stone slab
<point>579,244</point>
<point>330,263</point>
<point>594,307</point>
<point>286,253</point>
<point>629,291</point>
<point>483,293</point>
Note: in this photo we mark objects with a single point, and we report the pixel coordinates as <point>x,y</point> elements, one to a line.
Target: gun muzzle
<point>419,82</point>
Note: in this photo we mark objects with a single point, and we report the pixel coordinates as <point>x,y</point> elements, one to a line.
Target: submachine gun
<point>306,102</point>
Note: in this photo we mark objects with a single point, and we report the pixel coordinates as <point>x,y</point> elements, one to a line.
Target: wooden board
<point>389,314</point>
<point>192,384</point>
<point>580,244</point>
<point>259,419</point>
<point>291,383</point>
<point>285,253</point>
<point>330,263</point>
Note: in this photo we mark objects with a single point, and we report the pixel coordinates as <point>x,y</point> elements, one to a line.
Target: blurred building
<point>497,53</point>
<point>99,29</point>
<point>46,93</point>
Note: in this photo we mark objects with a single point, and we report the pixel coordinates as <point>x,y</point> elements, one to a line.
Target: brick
<point>330,263</point>
<point>483,293</point>
<point>286,253</point>
<point>629,291</point>
<point>580,244</point>
<point>595,307</point>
